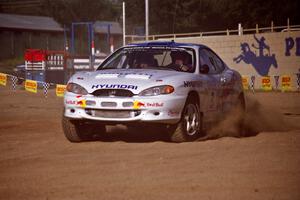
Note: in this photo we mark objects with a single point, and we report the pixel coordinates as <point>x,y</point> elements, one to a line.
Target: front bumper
<point>158,109</point>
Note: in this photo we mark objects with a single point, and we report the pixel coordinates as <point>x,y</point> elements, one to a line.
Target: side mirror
<point>204,69</point>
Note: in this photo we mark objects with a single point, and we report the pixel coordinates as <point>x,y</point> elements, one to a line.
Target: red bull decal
<point>155,104</point>
<point>71,102</point>
<point>82,103</point>
<point>137,104</point>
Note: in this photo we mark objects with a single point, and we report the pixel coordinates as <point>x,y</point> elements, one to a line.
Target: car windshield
<point>160,58</point>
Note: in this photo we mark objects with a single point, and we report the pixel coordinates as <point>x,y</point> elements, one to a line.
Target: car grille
<point>112,93</point>
<point>108,104</point>
<point>113,113</point>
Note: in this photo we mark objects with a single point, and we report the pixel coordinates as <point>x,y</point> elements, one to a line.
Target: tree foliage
<point>68,11</point>
<point>181,16</point>
<point>173,16</point>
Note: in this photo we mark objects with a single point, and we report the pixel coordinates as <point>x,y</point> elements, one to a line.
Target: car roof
<point>165,44</point>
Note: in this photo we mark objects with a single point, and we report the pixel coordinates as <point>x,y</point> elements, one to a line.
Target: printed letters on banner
<point>266,83</point>
<point>286,83</point>
<point>31,86</point>
<point>60,90</point>
<point>245,82</point>
<point>3,79</point>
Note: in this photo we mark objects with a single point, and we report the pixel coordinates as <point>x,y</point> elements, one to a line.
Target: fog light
<point>90,103</point>
<point>127,104</point>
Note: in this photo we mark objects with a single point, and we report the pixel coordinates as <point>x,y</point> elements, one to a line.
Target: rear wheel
<point>189,127</point>
<point>79,130</point>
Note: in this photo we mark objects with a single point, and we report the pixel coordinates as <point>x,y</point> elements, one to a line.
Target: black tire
<point>79,130</point>
<point>71,130</point>
<point>134,129</point>
<point>189,127</point>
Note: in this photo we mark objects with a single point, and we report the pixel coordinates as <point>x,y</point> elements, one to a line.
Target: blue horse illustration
<point>261,63</point>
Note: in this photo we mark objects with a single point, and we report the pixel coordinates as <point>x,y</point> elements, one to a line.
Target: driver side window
<point>213,62</point>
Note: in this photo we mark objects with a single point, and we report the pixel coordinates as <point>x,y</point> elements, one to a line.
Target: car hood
<point>134,80</point>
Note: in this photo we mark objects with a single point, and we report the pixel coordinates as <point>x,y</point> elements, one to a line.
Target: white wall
<point>229,47</point>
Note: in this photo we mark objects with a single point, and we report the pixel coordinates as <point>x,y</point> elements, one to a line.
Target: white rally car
<point>185,88</point>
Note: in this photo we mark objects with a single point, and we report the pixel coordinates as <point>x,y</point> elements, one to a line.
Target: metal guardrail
<point>288,28</point>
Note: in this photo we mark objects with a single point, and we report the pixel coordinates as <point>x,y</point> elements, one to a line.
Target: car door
<point>228,94</point>
<point>226,80</point>
<point>212,100</point>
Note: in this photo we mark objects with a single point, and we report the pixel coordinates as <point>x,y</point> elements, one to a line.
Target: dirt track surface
<point>37,162</point>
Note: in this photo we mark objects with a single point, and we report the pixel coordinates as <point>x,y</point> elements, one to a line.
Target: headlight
<point>157,90</point>
<point>77,89</point>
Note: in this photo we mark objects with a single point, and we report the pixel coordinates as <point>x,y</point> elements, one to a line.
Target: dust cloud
<point>257,118</point>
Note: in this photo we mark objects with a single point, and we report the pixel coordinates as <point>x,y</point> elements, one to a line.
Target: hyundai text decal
<point>114,86</point>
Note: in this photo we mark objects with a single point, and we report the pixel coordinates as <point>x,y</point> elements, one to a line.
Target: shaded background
<point>168,16</point>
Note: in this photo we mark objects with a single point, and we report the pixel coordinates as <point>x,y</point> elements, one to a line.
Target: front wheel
<point>189,127</point>
<point>79,130</point>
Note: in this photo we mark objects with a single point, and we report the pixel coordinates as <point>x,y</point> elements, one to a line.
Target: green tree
<point>66,11</point>
<point>181,16</point>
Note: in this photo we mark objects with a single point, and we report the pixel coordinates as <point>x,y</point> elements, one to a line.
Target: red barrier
<point>35,55</point>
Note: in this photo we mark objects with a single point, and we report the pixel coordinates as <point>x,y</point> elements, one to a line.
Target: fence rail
<point>287,28</point>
